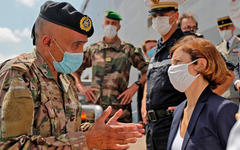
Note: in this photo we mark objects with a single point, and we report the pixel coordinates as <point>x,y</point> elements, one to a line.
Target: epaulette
<point>199,35</point>
<point>127,43</point>
<point>93,46</point>
<point>138,50</point>
<point>20,63</point>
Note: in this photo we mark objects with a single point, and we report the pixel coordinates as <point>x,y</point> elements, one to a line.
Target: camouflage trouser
<point>126,115</point>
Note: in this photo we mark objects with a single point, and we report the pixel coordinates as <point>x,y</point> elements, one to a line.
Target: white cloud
<point>29,3</point>
<point>7,35</point>
<point>26,32</point>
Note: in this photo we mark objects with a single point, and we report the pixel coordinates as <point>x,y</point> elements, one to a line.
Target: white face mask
<point>234,12</point>
<point>110,31</point>
<point>179,76</point>
<point>226,34</point>
<point>161,24</point>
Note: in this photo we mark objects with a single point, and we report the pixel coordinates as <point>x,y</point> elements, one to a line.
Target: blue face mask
<point>70,62</point>
<point>151,52</point>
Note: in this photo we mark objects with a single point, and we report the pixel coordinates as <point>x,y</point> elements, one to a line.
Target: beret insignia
<point>85,23</point>
<point>155,1</point>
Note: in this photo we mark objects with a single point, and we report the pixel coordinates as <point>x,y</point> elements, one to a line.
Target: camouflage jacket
<point>111,65</point>
<point>38,112</point>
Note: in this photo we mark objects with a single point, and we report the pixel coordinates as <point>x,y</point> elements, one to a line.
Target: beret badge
<point>155,1</point>
<point>85,23</point>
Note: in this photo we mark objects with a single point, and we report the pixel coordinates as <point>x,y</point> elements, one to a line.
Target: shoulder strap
<point>2,64</point>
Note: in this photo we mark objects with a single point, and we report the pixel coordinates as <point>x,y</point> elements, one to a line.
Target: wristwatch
<point>138,83</point>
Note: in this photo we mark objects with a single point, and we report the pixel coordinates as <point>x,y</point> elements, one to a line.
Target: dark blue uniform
<point>160,95</point>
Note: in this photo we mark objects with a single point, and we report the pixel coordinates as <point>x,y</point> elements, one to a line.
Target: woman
<point>204,120</point>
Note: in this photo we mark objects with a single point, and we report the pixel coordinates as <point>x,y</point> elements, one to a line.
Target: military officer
<point>233,140</point>
<point>39,102</point>
<point>229,49</point>
<point>111,60</point>
<point>160,93</point>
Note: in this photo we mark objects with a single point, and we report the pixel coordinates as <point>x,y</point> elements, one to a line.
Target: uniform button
<point>41,141</point>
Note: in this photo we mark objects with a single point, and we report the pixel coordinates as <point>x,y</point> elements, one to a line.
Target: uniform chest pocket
<point>116,62</point>
<point>56,115</point>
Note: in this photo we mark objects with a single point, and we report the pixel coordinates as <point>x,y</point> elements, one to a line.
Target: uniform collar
<point>231,41</point>
<point>116,45</point>
<point>42,65</point>
<point>174,37</point>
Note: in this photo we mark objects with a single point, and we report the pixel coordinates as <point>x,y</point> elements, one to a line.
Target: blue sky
<point>17,18</point>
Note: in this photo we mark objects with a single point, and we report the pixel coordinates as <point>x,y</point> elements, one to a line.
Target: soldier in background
<point>40,108</point>
<point>111,60</point>
<point>229,49</point>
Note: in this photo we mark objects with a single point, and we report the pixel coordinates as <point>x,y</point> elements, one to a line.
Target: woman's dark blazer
<point>210,123</point>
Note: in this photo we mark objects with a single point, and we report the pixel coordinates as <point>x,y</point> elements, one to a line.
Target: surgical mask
<point>110,31</point>
<point>70,62</point>
<point>151,52</point>
<point>234,12</point>
<point>179,76</point>
<point>161,24</point>
<point>226,34</point>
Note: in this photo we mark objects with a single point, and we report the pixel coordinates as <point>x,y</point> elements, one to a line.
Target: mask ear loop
<point>192,63</point>
<point>54,60</point>
<point>58,45</point>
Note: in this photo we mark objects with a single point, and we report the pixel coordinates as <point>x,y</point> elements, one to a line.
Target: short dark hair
<point>187,16</point>
<point>38,28</point>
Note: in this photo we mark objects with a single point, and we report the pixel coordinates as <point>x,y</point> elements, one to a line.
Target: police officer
<point>229,49</point>
<point>160,93</point>
<point>111,60</point>
<point>39,102</point>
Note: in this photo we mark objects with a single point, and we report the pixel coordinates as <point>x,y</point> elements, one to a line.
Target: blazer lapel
<point>175,123</point>
<point>196,113</point>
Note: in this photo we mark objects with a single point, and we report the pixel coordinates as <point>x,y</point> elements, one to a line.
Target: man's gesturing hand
<point>113,135</point>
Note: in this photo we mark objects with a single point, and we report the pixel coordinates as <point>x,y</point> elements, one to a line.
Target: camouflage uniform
<point>111,65</point>
<point>38,112</point>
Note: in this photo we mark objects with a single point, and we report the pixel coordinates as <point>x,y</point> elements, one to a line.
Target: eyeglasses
<point>194,28</point>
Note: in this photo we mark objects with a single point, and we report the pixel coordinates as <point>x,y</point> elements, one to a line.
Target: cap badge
<point>85,23</point>
<point>106,14</point>
<point>155,1</point>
